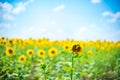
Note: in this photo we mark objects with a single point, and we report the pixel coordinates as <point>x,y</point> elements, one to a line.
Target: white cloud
<point>107,13</point>
<point>59,8</point>
<point>113,17</point>
<point>6,6</point>
<point>95,1</point>
<point>7,10</point>
<point>21,6</point>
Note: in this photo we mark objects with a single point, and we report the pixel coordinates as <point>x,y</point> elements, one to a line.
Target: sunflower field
<point>44,59</point>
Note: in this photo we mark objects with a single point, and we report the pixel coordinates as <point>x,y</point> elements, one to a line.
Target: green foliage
<point>101,64</point>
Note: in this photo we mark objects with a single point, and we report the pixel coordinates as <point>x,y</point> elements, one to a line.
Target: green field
<point>44,59</point>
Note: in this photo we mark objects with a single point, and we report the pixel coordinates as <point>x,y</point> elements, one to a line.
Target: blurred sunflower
<point>22,59</point>
<point>10,42</point>
<point>3,38</point>
<point>1,41</point>
<point>9,51</point>
<point>52,52</point>
<point>30,52</point>
<point>89,52</point>
<point>41,53</point>
<point>66,47</point>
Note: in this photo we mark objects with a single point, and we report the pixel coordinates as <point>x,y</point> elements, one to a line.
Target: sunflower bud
<point>43,66</point>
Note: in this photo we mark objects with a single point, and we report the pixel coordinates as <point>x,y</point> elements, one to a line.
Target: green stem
<point>44,74</point>
<point>72,68</point>
<point>3,50</point>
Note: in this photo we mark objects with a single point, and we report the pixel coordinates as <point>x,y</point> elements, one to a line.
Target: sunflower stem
<point>72,68</point>
<point>44,74</point>
<point>43,66</point>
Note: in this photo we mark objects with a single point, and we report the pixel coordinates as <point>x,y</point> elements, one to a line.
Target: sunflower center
<point>22,59</point>
<point>1,42</point>
<point>30,53</point>
<point>10,41</point>
<point>66,47</point>
<point>3,38</point>
<point>10,51</point>
<point>52,52</point>
<point>41,53</point>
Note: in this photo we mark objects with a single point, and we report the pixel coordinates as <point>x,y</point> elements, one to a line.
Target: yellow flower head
<point>11,42</point>
<point>52,52</point>
<point>22,59</point>
<point>9,51</point>
<point>2,38</point>
<point>89,52</point>
<point>41,53</point>
<point>2,41</point>
<point>66,47</point>
<point>30,52</point>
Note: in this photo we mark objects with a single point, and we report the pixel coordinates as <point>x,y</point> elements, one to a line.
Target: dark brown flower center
<point>30,53</point>
<point>11,41</point>
<point>52,52</point>
<point>3,38</point>
<point>41,53</point>
<point>76,48</point>
<point>22,59</point>
<point>10,51</point>
<point>66,47</point>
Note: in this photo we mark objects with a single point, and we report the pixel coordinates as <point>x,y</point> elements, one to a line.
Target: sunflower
<point>1,41</point>
<point>22,59</point>
<point>77,48</point>
<point>66,47</point>
<point>30,52</point>
<point>10,41</point>
<point>89,52</point>
<point>9,51</point>
<point>3,38</point>
<point>41,53</point>
<point>52,52</point>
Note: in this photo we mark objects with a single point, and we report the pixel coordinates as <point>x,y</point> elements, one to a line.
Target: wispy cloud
<point>7,10</point>
<point>113,17</point>
<point>21,6</point>
<point>96,1</point>
<point>6,6</point>
<point>59,8</point>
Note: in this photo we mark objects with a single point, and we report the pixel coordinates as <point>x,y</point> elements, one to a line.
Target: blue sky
<point>61,19</point>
